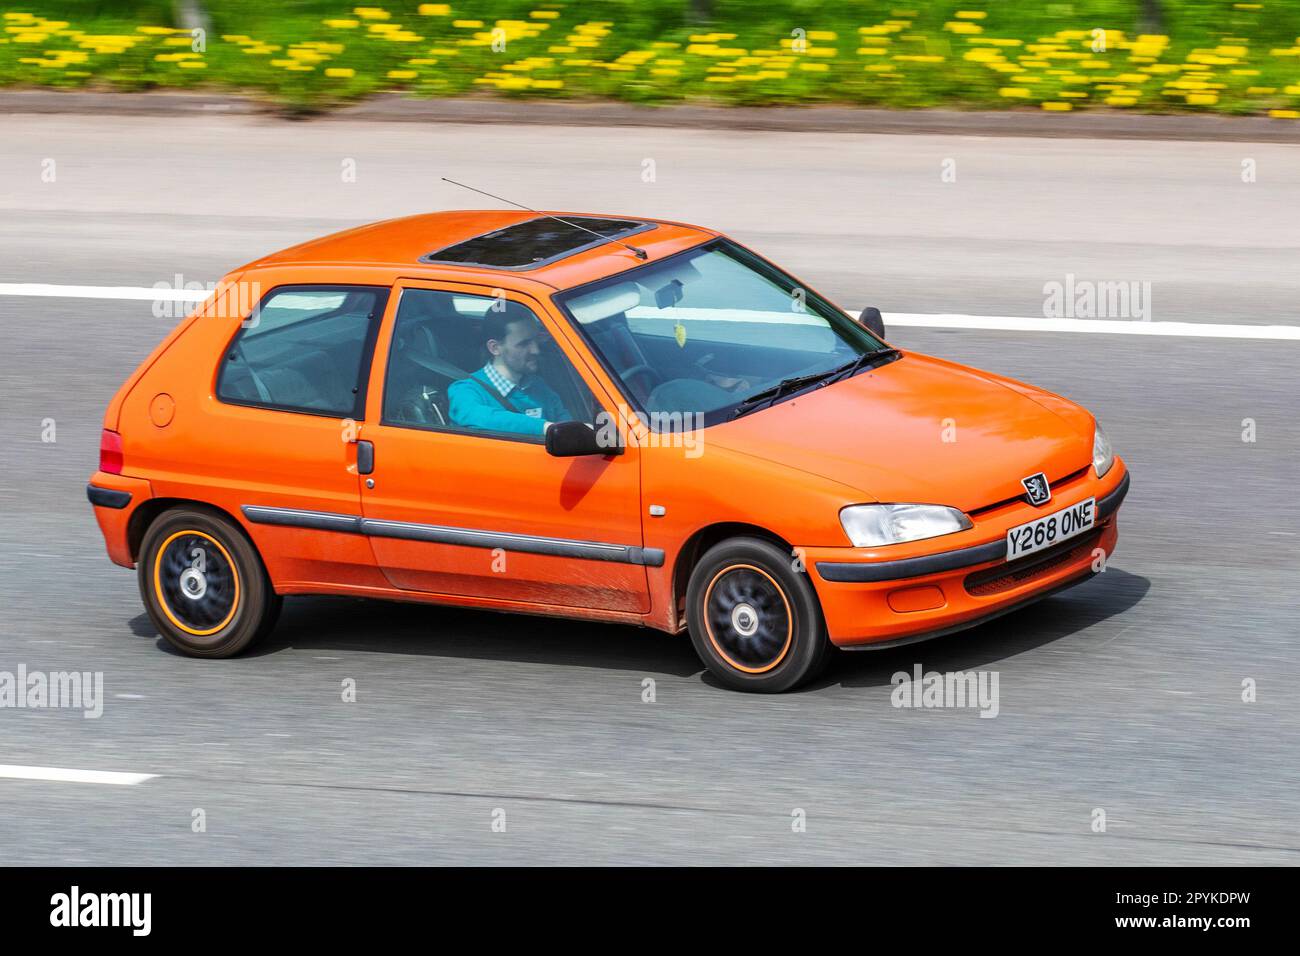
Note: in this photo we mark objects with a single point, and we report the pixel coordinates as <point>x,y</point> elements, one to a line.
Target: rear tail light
<point>110,452</point>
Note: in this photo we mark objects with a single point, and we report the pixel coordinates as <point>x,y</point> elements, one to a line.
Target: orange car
<point>605,418</point>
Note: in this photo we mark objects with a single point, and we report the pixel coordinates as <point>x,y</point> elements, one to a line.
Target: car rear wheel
<point>754,620</point>
<point>204,585</point>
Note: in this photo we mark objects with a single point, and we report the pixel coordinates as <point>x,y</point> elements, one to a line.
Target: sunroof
<point>526,245</point>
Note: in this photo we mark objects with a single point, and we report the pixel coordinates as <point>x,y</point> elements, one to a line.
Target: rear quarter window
<point>305,349</point>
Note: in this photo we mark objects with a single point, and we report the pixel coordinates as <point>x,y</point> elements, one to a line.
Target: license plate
<point>1051,529</point>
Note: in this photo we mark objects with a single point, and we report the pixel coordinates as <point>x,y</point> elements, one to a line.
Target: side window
<point>305,349</point>
<point>478,364</point>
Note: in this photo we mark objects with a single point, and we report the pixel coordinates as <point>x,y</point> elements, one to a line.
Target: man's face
<point>519,351</point>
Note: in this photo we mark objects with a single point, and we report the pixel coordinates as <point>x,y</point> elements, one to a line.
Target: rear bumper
<point>870,603</point>
<point>115,499</point>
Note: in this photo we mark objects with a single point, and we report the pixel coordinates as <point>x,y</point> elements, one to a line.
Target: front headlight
<point>1102,455</point>
<point>869,526</point>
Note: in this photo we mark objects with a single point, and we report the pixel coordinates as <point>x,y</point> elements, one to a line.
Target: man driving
<point>506,394</point>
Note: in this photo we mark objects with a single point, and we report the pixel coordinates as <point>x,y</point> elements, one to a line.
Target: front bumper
<point>869,602</point>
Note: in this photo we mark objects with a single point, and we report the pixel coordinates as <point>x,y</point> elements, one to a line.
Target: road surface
<point>1124,694</point>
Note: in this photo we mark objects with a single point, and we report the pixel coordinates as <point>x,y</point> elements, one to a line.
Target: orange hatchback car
<point>614,419</point>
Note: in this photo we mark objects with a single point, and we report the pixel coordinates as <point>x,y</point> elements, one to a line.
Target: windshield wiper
<point>865,359</point>
<point>787,385</point>
<point>776,391</point>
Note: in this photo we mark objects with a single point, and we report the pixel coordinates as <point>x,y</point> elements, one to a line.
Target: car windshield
<point>712,332</point>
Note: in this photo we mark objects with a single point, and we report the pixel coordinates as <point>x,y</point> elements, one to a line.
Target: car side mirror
<point>874,321</point>
<point>572,439</point>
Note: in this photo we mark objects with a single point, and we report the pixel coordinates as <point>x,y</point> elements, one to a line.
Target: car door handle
<point>365,457</point>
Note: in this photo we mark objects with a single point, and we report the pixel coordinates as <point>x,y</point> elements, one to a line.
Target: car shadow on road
<point>1037,625</point>
<point>387,627</point>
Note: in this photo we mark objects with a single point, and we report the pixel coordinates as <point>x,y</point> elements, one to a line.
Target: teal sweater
<point>473,406</point>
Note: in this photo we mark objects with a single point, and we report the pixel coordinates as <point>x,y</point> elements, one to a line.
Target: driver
<point>506,394</point>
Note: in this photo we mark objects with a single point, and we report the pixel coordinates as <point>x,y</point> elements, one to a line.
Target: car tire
<point>204,585</point>
<point>755,621</point>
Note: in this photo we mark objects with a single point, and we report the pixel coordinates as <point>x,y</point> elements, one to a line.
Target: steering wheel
<point>641,368</point>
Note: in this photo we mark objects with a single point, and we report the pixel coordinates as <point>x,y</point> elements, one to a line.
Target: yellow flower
<point>343,24</point>
<point>970,14</point>
<point>1284,114</point>
<point>435,9</point>
<point>372,13</point>
<point>341,72</point>
<point>1056,107</point>
<point>402,74</point>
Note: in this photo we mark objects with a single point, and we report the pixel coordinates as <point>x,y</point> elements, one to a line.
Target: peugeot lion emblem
<point>1039,492</point>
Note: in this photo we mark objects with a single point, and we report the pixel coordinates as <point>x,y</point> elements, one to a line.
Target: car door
<point>290,387</point>
<point>483,511</point>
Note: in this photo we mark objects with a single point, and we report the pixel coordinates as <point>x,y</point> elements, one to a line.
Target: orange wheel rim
<point>748,618</point>
<point>197,589</point>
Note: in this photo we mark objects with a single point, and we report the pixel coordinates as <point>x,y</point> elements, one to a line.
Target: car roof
<point>412,246</point>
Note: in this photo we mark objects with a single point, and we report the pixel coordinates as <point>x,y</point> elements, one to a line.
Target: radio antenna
<point>636,251</point>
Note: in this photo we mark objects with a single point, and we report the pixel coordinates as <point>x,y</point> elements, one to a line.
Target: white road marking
<point>64,775</point>
<point>102,292</point>
<point>1011,323</point>
<point>923,320</point>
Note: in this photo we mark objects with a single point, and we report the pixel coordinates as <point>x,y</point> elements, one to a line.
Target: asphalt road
<point>1124,694</point>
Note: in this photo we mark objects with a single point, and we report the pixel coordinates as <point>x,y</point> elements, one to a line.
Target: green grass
<point>1213,55</point>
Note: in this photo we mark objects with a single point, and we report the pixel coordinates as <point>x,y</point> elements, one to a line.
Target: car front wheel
<point>754,618</point>
<point>203,584</point>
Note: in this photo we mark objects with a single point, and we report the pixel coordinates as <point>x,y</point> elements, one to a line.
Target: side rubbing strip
<point>467,537</point>
<point>524,543</point>
<point>319,520</point>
